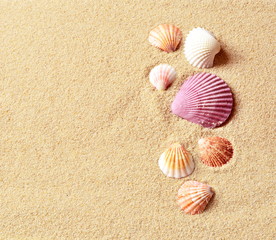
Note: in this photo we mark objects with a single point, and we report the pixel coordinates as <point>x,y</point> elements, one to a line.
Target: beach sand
<point>82,128</point>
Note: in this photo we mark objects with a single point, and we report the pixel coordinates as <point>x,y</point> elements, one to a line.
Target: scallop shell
<point>204,99</point>
<point>162,76</point>
<point>194,196</point>
<point>176,162</point>
<point>200,49</point>
<point>166,37</point>
<point>215,151</point>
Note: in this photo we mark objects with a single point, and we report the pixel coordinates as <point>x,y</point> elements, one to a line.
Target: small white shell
<point>162,76</point>
<point>201,46</point>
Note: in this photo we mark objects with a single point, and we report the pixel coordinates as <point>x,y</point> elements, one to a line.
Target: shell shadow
<point>179,45</point>
<point>222,58</point>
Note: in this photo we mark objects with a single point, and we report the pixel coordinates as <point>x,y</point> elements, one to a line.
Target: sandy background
<point>82,128</point>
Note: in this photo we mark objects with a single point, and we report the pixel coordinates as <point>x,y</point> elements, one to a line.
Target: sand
<point>82,128</point>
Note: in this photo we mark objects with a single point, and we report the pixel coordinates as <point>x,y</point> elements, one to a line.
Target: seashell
<point>166,37</point>
<point>162,76</point>
<point>176,162</point>
<point>194,196</point>
<point>204,99</point>
<point>215,151</point>
<point>200,49</point>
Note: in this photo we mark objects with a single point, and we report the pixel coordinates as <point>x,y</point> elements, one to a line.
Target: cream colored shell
<point>200,49</point>
<point>176,162</point>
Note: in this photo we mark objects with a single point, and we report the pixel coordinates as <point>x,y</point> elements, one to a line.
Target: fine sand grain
<point>82,128</point>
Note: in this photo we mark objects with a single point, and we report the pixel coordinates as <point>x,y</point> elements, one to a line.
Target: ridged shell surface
<point>176,162</point>
<point>215,151</point>
<point>194,196</point>
<point>166,37</point>
<point>204,99</point>
<point>162,76</point>
<point>200,48</point>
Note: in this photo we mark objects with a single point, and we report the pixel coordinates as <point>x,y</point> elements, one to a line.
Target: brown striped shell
<point>215,151</point>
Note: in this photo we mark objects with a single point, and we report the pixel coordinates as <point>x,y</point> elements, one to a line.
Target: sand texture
<point>82,128</point>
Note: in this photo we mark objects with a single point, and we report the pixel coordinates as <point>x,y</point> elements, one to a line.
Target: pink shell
<point>204,99</point>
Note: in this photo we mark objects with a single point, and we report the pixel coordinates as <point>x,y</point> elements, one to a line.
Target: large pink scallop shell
<point>204,99</point>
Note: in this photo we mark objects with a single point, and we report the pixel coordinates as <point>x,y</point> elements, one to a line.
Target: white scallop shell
<point>162,76</point>
<point>201,46</point>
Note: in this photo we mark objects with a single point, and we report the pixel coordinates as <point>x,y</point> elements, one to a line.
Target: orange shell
<point>215,151</point>
<point>166,37</point>
<point>194,196</point>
